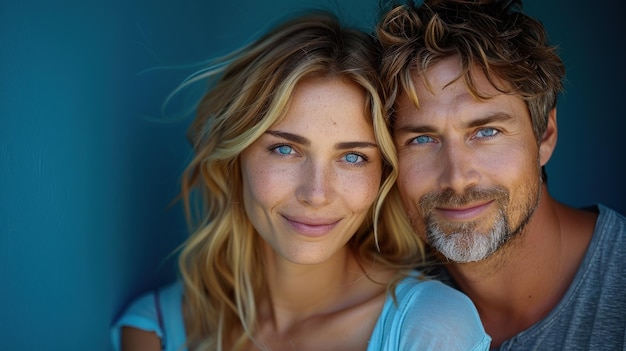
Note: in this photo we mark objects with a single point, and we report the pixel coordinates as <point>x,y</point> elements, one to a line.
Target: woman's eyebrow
<point>355,145</point>
<point>306,142</point>
<point>291,137</point>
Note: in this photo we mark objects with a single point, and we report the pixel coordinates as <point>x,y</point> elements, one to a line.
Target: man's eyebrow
<point>496,117</point>
<point>418,129</point>
<point>415,129</point>
<point>291,137</point>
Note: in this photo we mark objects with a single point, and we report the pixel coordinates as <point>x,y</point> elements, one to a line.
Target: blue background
<point>88,176</point>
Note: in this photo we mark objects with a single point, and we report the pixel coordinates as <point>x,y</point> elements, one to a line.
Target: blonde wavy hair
<point>221,262</point>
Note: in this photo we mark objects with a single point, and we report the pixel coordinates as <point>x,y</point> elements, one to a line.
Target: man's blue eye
<point>353,158</point>
<point>486,132</point>
<point>422,139</point>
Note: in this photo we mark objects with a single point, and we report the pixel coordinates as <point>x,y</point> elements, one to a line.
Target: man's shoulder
<point>608,244</point>
<point>590,315</point>
<point>610,220</point>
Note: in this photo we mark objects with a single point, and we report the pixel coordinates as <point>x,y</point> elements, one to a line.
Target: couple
<point>330,165</point>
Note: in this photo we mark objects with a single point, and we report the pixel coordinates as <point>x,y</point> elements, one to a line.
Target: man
<point>471,89</point>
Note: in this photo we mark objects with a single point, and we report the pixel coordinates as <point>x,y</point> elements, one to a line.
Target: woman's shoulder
<point>158,311</point>
<point>429,315</point>
<point>419,286</point>
<point>419,295</point>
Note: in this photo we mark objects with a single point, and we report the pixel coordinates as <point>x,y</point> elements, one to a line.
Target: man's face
<point>469,169</point>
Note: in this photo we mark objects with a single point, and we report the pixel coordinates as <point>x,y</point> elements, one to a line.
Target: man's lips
<point>312,226</point>
<point>464,213</point>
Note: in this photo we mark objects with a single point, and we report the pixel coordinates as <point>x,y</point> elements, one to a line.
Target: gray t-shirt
<point>592,314</point>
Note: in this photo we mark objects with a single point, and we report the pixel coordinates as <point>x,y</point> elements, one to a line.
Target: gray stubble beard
<point>465,244</point>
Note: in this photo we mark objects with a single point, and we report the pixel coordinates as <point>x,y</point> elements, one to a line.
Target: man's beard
<point>464,242</point>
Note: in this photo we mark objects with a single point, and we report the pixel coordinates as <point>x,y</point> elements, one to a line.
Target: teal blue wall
<point>589,164</point>
<point>87,178</point>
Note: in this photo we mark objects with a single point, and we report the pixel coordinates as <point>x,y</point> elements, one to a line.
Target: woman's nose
<point>316,184</point>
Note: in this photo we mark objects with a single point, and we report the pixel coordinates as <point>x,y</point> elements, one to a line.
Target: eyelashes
<point>287,150</point>
<point>485,133</point>
<point>281,149</point>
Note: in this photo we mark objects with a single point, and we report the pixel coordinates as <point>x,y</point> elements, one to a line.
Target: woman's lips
<point>464,213</point>
<point>312,227</point>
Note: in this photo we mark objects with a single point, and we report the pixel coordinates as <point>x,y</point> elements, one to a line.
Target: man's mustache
<point>450,198</point>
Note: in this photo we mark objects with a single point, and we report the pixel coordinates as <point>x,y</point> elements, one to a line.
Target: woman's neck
<point>340,298</point>
<point>298,292</point>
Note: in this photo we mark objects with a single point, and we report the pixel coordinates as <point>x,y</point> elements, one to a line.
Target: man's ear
<point>548,141</point>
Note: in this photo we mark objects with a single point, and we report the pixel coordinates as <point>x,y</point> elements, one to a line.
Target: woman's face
<point>309,181</point>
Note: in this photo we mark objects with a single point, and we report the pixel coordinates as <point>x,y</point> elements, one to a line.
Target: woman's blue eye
<point>354,158</point>
<point>486,132</point>
<point>422,139</point>
<point>284,149</point>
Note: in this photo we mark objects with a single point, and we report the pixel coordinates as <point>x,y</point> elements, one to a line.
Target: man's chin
<point>465,246</point>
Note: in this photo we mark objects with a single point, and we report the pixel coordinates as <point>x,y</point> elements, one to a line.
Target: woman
<point>294,248</point>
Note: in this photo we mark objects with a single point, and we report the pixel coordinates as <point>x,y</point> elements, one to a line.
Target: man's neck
<point>522,282</point>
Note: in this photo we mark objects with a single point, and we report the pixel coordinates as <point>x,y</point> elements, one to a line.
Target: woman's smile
<point>313,227</point>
